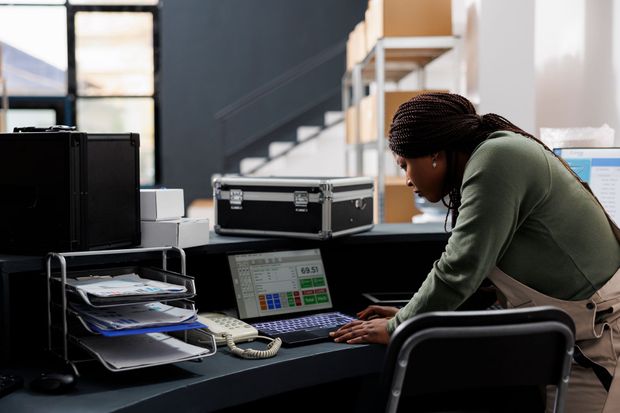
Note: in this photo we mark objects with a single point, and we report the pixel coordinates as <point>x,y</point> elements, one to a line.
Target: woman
<point>521,218</point>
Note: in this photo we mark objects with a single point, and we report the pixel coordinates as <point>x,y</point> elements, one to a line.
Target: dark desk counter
<point>390,257</point>
<point>381,233</point>
<point>218,382</point>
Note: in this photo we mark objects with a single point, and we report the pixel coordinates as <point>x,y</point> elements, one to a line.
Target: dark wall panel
<point>215,52</point>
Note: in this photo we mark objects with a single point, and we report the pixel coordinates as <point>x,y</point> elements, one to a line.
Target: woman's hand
<point>374,311</point>
<point>360,331</point>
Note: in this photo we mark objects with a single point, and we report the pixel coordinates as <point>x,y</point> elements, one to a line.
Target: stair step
<point>248,164</point>
<point>276,148</point>
<point>323,156</point>
<point>332,117</point>
<point>305,132</point>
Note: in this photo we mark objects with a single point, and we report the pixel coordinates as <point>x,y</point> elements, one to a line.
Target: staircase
<point>318,151</point>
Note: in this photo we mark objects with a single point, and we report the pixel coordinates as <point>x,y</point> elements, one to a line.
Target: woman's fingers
<point>374,331</point>
<point>342,334</point>
<point>377,310</point>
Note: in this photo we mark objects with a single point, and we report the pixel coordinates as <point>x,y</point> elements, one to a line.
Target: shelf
<point>404,55</point>
<point>390,60</point>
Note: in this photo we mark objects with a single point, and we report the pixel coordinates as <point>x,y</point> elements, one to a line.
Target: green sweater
<point>522,211</point>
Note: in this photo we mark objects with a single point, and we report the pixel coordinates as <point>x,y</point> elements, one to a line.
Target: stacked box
<point>398,200</point>
<point>407,18</point>
<point>368,112</point>
<point>356,45</point>
<point>163,224</point>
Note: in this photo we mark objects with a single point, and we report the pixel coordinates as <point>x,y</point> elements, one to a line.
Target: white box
<point>182,233</point>
<point>161,204</point>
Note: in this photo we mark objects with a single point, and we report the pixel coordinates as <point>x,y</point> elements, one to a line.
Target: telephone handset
<point>229,330</point>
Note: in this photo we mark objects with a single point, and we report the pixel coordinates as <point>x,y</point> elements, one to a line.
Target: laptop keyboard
<point>311,322</point>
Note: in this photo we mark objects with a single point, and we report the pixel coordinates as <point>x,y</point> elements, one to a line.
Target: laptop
<point>285,294</point>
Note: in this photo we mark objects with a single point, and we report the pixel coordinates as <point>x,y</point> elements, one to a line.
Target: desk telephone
<point>229,330</point>
<point>220,324</point>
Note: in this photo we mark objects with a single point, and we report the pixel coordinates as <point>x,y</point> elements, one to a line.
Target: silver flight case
<point>315,207</point>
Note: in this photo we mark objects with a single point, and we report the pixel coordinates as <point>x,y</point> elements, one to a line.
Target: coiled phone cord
<point>249,353</point>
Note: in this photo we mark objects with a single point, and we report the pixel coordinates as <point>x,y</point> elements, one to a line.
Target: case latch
<point>301,199</point>
<point>360,204</point>
<point>236,199</point>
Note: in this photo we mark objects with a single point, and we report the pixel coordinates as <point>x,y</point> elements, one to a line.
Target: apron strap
<point>601,372</point>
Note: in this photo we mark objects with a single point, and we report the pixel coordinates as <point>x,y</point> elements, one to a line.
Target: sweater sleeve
<point>496,182</point>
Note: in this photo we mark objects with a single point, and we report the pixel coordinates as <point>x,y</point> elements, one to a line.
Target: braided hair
<point>434,122</point>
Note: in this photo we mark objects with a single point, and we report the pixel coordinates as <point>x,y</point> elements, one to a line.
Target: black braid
<point>434,122</point>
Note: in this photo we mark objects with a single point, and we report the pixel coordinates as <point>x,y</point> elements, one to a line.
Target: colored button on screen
<point>309,299</point>
<point>318,282</point>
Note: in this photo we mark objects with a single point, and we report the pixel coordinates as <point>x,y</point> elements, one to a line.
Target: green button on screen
<point>318,282</point>
<point>309,299</point>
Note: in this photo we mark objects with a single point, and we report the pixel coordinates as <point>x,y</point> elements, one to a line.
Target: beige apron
<point>597,323</point>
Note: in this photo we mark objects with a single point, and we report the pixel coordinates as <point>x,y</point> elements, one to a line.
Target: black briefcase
<point>315,208</point>
<point>68,191</point>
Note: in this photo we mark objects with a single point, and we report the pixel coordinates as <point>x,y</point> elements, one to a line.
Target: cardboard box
<point>350,121</point>
<point>182,233</point>
<point>161,204</point>
<point>356,45</point>
<point>351,50</point>
<point>398,201</point>
<point>407,18</point>
<point>368,112</point>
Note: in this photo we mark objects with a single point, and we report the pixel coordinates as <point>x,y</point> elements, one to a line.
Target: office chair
<point>479,361</point>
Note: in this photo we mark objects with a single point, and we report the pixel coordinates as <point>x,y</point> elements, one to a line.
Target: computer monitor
<point>600,168</point>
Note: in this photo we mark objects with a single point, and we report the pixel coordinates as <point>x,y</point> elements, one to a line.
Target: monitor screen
<point>275,283</point>
<point>600,168</point>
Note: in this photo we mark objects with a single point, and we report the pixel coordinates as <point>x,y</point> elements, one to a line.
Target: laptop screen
<point>276,283</point>
<point>600,168</point>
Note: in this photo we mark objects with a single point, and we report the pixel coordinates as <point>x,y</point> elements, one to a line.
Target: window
<point>114,76</point>
<point>89,63</point>
<point>34,62</point>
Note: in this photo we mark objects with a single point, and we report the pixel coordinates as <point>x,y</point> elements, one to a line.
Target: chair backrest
<point>474,359</point>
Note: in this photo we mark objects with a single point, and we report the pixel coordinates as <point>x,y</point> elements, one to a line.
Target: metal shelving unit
<point>390,60</point>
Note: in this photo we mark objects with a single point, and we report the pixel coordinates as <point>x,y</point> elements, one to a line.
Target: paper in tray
<point>143,350</point>
<point>123,289</point>
<point>143,315</point>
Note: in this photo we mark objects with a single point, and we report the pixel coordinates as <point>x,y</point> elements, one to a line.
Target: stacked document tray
<point>121,316</point>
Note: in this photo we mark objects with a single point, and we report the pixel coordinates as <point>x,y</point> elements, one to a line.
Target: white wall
<point>506,75</point>
<point>577,63</point>
<point>544,63</point>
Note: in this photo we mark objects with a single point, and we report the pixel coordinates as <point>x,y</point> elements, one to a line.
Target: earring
<point>434,163</point>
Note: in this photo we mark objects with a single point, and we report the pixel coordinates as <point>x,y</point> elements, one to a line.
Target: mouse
<point>53,383</point>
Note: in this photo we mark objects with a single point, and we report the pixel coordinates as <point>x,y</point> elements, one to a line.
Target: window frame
<point>72,10</point>
<point>66,106</point>
<point>61,105</point>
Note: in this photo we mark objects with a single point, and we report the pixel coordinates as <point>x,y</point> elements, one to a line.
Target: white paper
<point>127,352</point>
<point>135,316</point>
<point>122,285</point>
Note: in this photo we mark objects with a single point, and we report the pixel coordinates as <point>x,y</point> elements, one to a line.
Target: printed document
<point>123,289</point>
<point>134,316</point>
<point>129,352</point>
